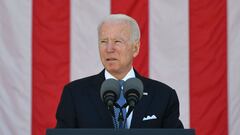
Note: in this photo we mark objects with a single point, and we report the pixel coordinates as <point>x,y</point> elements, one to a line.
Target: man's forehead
<point>115,30</point>
<point>115,34</point>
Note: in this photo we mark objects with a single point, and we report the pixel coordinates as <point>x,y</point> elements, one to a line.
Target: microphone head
<point>110,91</point>
<point>133,87</point>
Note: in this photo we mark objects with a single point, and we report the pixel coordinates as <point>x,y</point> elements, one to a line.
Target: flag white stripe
<point>169,59</point>
<point>233,66</point>
<point>15,67</point>
<point>85,16</point>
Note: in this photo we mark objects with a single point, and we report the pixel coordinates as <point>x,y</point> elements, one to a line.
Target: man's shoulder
<point>148,82</point>
<point>151,83</point>
<point>86,81</point>
<point>159,90</point>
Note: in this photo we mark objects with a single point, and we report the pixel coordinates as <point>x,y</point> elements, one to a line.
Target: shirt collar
<point>130,74</point>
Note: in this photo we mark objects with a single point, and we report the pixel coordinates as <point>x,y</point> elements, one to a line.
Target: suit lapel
<point>94,95</point>
<point>142,106</point>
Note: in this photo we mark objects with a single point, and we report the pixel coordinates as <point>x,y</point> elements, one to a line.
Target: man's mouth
<point>111,59</point>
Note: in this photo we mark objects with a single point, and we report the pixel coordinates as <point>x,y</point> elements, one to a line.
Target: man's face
<point>116,48</point>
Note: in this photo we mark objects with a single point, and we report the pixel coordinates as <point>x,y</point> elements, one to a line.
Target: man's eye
<point>103,41</point>
<point>118,41</point>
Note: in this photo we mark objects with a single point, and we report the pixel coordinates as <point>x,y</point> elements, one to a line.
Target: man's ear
<point>136,48</point>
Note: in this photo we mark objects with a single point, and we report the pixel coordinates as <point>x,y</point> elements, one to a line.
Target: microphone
<point>133,92</point>
<point>110,93</point>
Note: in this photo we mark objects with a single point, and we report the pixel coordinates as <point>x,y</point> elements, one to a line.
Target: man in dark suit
<point>81,105</point>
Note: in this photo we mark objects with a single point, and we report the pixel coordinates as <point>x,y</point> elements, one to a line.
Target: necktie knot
<point>121,100</point>
<point>121,83</point>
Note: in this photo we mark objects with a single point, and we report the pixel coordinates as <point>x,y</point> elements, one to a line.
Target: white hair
<point>135,31</point>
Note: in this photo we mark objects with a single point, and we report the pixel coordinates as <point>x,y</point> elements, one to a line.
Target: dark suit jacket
<point>81,105</point>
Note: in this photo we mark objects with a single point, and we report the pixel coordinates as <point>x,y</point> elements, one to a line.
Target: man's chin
<point>112,70</point>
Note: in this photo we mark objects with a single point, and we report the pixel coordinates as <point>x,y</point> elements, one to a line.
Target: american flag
<point>191,45</point>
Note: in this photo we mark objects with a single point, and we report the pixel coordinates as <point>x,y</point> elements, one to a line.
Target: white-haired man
<point>81,105</point>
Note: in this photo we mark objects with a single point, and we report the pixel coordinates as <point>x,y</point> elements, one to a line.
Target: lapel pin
<point>145,93</point>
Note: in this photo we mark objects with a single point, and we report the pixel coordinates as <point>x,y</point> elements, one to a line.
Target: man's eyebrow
<point>103,38</point>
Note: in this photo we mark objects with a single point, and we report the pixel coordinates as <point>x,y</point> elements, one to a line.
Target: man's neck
<point>119,76</point>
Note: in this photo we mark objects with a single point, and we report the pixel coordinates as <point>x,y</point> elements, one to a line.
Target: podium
<point>89,131</point>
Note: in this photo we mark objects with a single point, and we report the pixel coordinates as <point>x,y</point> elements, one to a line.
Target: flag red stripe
<point>139,11</point>
<point>50,60</point>
<point>208,67</point>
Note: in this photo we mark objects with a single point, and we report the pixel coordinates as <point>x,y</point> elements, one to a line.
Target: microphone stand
<point>121,121</point>
<point>120,116</point>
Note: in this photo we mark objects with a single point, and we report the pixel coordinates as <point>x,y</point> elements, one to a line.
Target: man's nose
<point>110,47</point>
